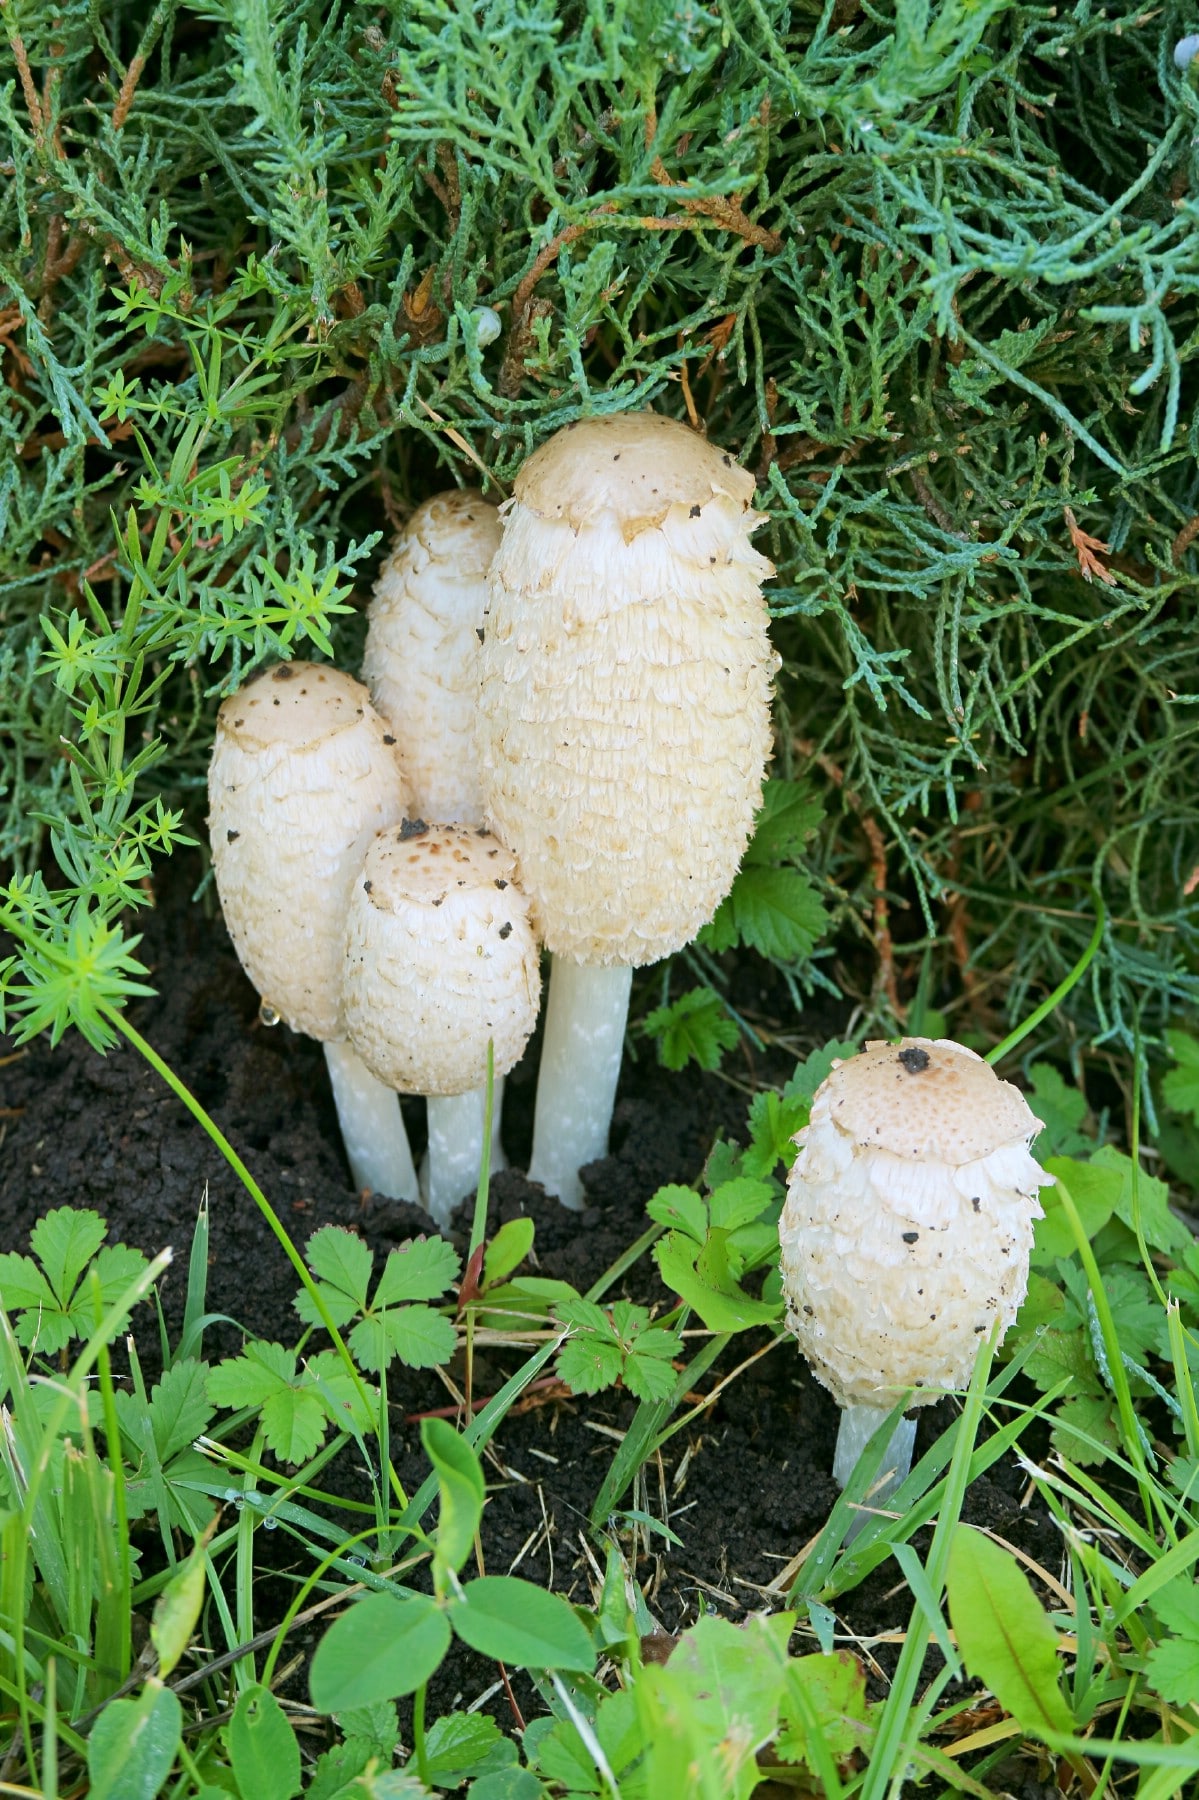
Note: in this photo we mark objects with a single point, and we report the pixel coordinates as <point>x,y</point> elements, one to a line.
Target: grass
<point>118,1500</point>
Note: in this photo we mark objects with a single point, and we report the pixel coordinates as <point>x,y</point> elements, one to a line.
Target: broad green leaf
<point>116,1266</point>
<point>1063,1353</point>
<point>132,1745</point>
<point>1162,1229</point>
<point>1003,1634</point>
<point>263,1747</point>
<point>585,1315</point>
<point>521,1625</point>
<point>680,1207</point>
<point>507,1250</point>
<point>506,1784</point>
<point>420,1270</point>
<point>460,1488</point>
<point>647,1376</point>
<point>463,1745</point>
<point>340,1307</point>
<point>379,1649</point>
<point>343,1397</point>
<point>340,1257</point>
<point>64,1242</point>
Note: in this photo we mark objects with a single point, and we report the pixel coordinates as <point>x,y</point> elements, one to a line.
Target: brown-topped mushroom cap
<point>927,1098</point>
<point>633,465</point>
<point>440,957</point>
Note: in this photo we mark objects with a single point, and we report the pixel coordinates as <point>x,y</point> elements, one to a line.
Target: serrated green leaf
<point>179,1407</point>
<point>694,1028</point>
<point>345,1401</point>
<point>585,1315</point>
<point>294,1422</point>
<point>647,1376</point>
<point>589,1364</point>
<point>1172,1670</point>
<point>22,1284</point>
<point>701,1278</point>
<point>1003,1634</point>
<point>340,1306</point>
<point>340,1259</point>
<point>1063,1353</point>
<point>789,814</point>
<point>1061,1109</point>
<point>252,1377</point>
<point>738,1202</point>
<point>1180,1085</point>
<point>420,1270</point>
<point>116,1266</point>
<point>1176,1606</point>
<point>420,1337</point>
<point>64,1242</point>
<point>682,1208</point>
<point>1086,1427</point>
<point>460,1746</point>
<point>777,912</point>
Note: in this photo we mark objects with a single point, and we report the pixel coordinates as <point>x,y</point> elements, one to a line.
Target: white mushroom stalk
<point>906,1231</point>
<point>303,775</point>
<point>624,729</point>
<point>441,960</point>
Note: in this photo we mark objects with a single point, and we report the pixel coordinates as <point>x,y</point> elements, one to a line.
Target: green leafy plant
<point>391,1322</point>
<point>58,1301</point>
<point>616,1344</point>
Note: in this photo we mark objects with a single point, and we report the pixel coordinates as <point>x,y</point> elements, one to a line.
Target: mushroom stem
<point>372,1126</point>
<point>450,1171</point>
<point>580,1061</point>
<point>858,1426</point>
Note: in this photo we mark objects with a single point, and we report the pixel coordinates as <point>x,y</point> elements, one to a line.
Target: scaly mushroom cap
<point>303,774</point>
<point>440,957</point>
<point>908,1220</point>
<point>624,718</point>
<point>422,649</point>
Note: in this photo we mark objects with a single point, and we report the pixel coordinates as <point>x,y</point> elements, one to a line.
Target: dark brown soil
<point>743,1488</point>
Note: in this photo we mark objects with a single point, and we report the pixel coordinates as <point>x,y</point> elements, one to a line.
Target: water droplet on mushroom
<point>268,1016</point>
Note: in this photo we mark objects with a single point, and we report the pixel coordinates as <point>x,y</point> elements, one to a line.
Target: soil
<point>743,1488</point>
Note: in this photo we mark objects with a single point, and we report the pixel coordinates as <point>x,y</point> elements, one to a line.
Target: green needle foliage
<point>931,269</point>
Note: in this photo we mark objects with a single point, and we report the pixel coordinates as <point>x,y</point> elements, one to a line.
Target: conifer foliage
<point>271,272</point>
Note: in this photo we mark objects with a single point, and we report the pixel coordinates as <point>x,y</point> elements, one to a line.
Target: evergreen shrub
<point>271,272</point>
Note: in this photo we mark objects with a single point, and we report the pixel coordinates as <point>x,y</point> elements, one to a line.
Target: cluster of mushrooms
<point>560,741</point>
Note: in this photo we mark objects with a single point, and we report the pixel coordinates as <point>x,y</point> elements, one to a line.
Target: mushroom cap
<point>624,715</point>
<point>440,957</point>
<point>634,465</point>
<point>907,1226</point>
<point>421,661</point>
<point>303,774</point>
<point>926,1097</point>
